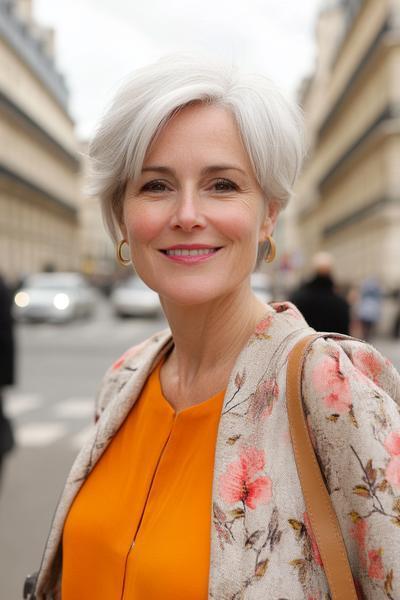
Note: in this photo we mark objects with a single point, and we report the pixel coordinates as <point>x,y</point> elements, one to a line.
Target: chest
<point>149,513</point>
<point>203,389</point>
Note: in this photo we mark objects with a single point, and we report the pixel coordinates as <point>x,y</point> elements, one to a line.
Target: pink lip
<point>189,247</point>
<point>190,260</point>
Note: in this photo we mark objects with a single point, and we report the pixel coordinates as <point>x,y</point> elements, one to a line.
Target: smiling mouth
<point>187,252</point>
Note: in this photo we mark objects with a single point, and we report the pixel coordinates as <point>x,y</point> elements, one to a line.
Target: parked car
<point>133,298</point>
<point>54,297</point>
<point>261,286</point>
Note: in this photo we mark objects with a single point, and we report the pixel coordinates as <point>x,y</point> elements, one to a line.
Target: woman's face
<point>195,216</point>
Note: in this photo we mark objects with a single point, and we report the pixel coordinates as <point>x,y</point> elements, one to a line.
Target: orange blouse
<point>140,525</point>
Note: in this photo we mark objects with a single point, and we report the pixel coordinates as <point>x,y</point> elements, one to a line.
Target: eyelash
<point>148,187</point>
<point>228,182</point>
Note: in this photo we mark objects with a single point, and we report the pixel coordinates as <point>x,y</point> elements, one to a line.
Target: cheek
<point>142,227</point>
<point>240,226</point>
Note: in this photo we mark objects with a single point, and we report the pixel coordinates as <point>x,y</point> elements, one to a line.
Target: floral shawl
<point>262,545</point>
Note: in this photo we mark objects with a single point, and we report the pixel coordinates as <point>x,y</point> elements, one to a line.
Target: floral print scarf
<point>262,544</point>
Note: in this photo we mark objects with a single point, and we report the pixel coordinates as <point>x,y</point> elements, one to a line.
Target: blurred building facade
<point>348,197</point>
<point>98,258</point>
<point>39,159</point>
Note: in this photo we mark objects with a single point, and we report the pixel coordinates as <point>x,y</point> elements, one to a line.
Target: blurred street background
<point>72,310</point>
<point>52,408</point>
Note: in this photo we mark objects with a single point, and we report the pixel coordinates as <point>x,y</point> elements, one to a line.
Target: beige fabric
<point>262,547</point>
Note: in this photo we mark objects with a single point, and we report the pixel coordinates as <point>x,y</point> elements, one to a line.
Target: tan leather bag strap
<point>321,513</point>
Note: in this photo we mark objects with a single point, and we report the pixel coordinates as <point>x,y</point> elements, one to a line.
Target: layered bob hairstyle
<point>270,125</point>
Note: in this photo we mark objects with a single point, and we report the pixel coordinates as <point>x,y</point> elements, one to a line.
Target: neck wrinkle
<point>207,339</point>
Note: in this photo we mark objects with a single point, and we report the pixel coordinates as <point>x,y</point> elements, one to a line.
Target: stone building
<point>39,159</point>
<point>348,198</point>
<point>97,252</point>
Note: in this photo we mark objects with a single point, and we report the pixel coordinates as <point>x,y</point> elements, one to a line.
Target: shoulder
<point>349,387</point>
<point>352,402</point>
<point>345,366</point>
<point>122,369</point>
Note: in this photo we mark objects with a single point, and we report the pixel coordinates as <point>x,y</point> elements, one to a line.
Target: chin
<point>193,296</point>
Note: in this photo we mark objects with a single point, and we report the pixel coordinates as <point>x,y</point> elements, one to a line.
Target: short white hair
<point>271,126</point>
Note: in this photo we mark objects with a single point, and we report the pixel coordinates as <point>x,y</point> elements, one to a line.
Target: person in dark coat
<point>7,367</point>
<point>322,307</point>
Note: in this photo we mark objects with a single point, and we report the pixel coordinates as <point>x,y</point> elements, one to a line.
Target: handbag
<point>323,519</point>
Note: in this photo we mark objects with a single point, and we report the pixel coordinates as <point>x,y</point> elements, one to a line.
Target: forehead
<point>201,131</point>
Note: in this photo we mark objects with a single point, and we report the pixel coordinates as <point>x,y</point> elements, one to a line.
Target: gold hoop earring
<point>122,261</point>
<point>271,253</point>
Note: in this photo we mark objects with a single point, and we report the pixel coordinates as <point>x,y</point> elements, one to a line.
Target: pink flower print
<point>392,443</point>
<point>328,379</point>
<point>240,482</point>
<point>288,308</point>
<point>337,403</point>
<point>263,326</point>
<point>262,401</point>
<point>359,534</point>
<point>130,352</point>
<point>118,363</point>
<point>393,472</point>
<point>279,307</point>
<point>314,546</point>
<point>271,388</point>
<point>369,365</point>
<point>375,566</point>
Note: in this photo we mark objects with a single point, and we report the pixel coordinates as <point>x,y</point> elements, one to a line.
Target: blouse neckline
<point>204,408</point>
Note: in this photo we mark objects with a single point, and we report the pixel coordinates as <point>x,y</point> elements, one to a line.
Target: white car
<point>133,297</point>
<point>54,297</point>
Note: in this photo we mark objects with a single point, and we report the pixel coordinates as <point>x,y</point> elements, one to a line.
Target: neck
<point>208,338</point>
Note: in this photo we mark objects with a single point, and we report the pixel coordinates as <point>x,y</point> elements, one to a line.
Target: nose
<point>188,213</point>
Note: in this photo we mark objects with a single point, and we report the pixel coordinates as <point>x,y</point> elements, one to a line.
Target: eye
<point>154,186</point>
<point>225,185</point>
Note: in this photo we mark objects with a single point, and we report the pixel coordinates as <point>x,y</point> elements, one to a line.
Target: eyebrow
<point>206,171</point>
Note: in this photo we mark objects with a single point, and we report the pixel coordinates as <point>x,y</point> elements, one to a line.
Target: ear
<point>270,218</point>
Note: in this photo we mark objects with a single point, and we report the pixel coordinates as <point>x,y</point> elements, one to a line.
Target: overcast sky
<point>99,42</point>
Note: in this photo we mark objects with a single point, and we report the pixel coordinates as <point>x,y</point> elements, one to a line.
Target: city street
<point>60,368</point>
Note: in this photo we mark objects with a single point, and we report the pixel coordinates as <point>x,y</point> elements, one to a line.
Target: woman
<point>188,486</point>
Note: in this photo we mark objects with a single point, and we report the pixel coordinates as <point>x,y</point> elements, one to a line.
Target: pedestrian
<point>396,320</point>
<point>7,362</point>
<point>188,486</point>
<point>369,307</point>
<point>318,301</point>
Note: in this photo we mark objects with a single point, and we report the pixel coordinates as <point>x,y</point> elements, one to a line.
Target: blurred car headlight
<point>61,301</point>
<point>21,299</point>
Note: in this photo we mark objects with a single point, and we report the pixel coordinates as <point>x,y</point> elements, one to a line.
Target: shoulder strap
<point>321,513</point>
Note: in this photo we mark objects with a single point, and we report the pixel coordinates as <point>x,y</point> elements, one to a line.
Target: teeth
<point>198,252</point>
